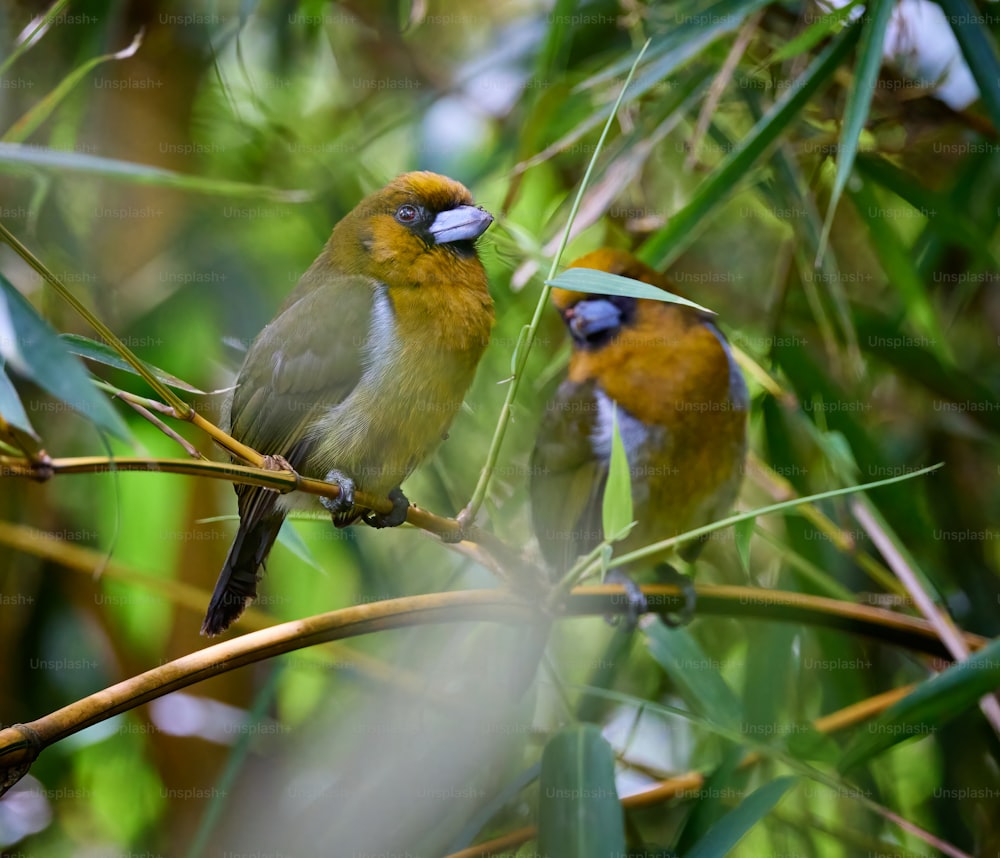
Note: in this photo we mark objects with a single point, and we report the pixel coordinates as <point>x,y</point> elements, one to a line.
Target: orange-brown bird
<point>358,377</point>
<point>681,402</point>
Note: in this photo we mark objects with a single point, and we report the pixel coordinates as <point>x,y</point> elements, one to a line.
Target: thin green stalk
<point>181,408</point>
<point>29,40</point>
<point>523,347</point>
<point>664,544</point>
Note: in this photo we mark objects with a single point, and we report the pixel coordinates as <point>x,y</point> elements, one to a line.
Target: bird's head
<point>594,320</point>
<point>421,225</point>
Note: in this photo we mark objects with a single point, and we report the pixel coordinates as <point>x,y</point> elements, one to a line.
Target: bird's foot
<point>276,463</point>
<point>400,505</point>
<point>343,504</point>
<point>668,575</point>
<point>636,604</point>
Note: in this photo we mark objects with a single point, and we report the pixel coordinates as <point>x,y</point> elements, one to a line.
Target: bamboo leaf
<point>41,110</point>
<point>30,35</point>
<point>602,283</point>
<point>901,270</point>
<point>696,675</point>
<point>858,103</point>
<point>722,837</point>
<point>579,815</point>
<point>15,158</point>
<point>11,408</point>
<point>980,51</point>
<point>33,349</point>
<point>934,703</point>
<point>829,22</point>
<point>99,352</point>
<point>617,504</point>
<point>664,246</point>
<point>691,35</point>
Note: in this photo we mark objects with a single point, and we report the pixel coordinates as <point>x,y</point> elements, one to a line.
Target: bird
<point>667,374</point>
<point>358,377</point>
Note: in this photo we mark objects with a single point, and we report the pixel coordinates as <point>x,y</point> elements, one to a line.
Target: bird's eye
<point>407,214</point>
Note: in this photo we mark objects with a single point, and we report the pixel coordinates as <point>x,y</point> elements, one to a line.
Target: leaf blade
<point>11,408</point>
<point>33,349</point>
<point>15,157</point>
<point>933,704</point>
<point>616,507</point>
<point>93,350</point>
<point>579,812</point>
<point>664,246</point>
<point>979,50</point>
<point>596,282</point>
<point>722,837</point>
<point>858,104</point>
<point>697,676</point>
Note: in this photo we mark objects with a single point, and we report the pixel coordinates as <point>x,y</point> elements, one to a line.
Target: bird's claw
<point>636,602</point>
<point>344,501</point>
<point>668,575</point>
<point>396,517</point>
<point>276,463</point>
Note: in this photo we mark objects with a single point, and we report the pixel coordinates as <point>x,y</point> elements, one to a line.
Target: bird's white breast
<point>633,432</point>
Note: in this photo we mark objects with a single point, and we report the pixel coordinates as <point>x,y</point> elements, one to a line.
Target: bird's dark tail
<point>237,584</point>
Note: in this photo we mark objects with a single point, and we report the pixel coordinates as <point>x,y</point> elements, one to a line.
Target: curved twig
<point>21,744</point>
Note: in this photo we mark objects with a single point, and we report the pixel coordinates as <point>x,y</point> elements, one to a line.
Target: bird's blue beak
<point>463,223</point>
<point>593,316</point>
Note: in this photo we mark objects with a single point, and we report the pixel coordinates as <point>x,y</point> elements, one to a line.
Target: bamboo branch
<point>22,743</point>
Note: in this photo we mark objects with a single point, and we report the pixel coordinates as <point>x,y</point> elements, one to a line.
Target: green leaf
<point>683,42</point>
<point>829,21</point>
<point>921,366</point>
<point>809,744</point>
<point>979,50</point>
<point>697,677</point>
<point>14,158</point>
<point>602,283</point>
<point>722,837</point>
<point>743,531</point>
<point>33,349</point>
<point>11,408</point>
<point>617,505</point>
<point>666,55</point>
<point>932,705</point>
<point>290,537</point>
<point>42,109</point>
<point>579,815</point>
<point>28,40</point>
<point>666,245</point>
<point>713,800</point>
<point>552,57</point>
<point>942,216</point>
<point>900,269</point>
<point>95,351</point>
<point>876,21</point>
<point>786,189</point>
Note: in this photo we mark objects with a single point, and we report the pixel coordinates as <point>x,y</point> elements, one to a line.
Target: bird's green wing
<point>567,479</point>
<point>307,360</point>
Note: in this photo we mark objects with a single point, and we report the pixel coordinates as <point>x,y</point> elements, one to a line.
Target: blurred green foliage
<point>266,123</point>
